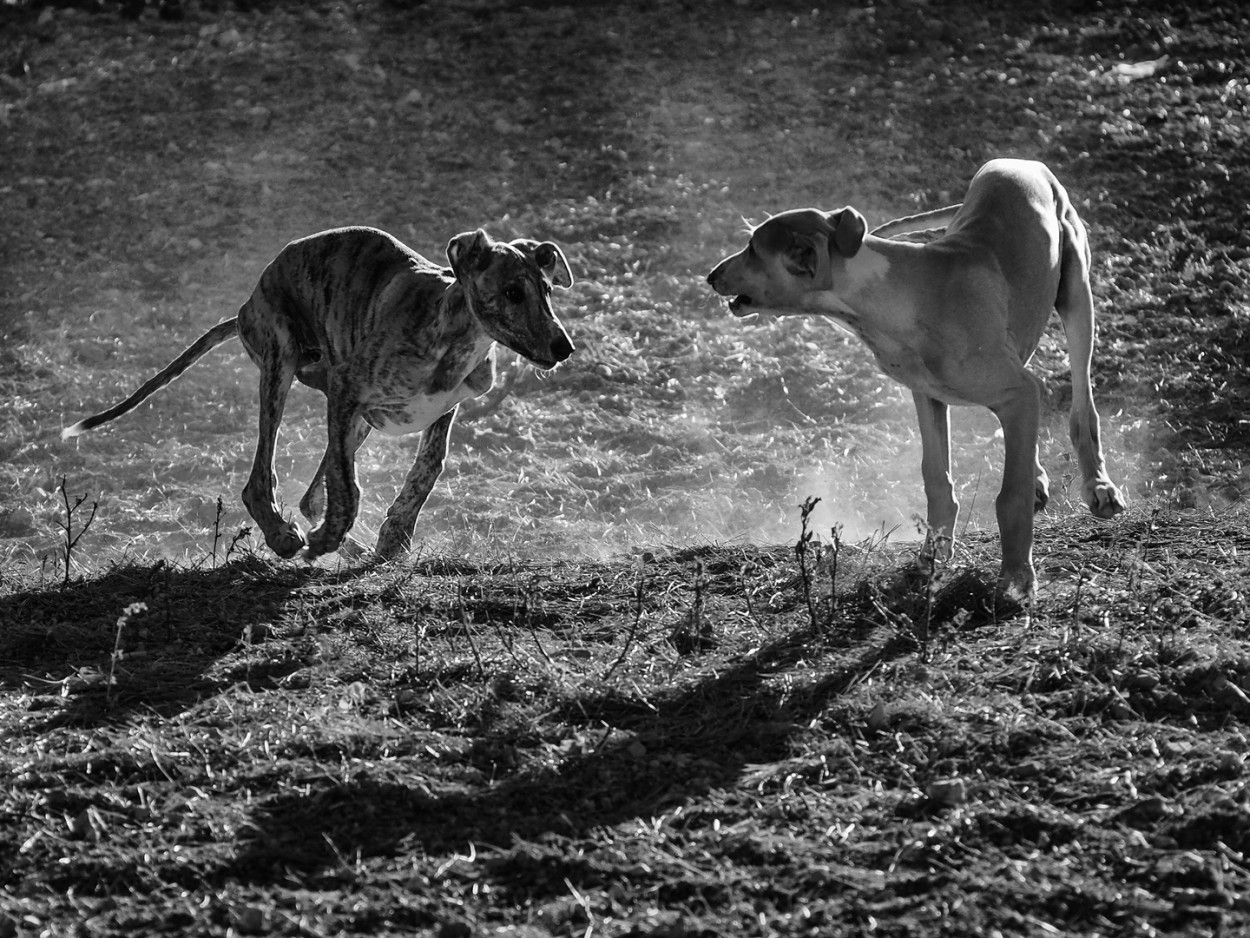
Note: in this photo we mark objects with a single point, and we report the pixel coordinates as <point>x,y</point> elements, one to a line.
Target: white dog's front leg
<point>1015,503</point>
<point>935,469</point>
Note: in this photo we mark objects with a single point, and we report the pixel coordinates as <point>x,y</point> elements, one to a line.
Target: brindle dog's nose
<point>561,348</point>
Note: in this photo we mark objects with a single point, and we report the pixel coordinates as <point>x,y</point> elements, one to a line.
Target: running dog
<point>395,342</point>
<point>955,320</point>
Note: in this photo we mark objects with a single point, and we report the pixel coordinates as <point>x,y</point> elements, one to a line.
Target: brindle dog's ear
<point>552,262</point>
<point>848,230</point>
<point>469,252</point>
<point>549,258</point>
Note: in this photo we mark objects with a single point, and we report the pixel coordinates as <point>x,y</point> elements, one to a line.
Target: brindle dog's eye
<point>514,294</point>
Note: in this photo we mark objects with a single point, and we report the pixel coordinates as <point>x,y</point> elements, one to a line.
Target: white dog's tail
<point>1074,301</point>
<point>922,224</point>
<point>200,347</point>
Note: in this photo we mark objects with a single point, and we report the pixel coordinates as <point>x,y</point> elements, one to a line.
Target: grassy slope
<point>491,736</point>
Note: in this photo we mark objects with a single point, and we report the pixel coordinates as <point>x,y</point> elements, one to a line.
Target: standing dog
<point>395,342</point>
<point>955,320</point>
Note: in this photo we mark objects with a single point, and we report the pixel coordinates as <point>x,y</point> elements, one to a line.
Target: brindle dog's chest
<point>411,355</point>
<point>406,399</point>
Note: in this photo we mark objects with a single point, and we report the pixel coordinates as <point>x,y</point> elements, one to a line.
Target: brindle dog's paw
<point>321,542</point>
<point>286,541</point>
<point>352,549</point>
<point>393,541</point>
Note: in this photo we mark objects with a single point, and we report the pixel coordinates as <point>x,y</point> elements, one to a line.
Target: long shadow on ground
<point>656,753</point>
<point>67,637</point>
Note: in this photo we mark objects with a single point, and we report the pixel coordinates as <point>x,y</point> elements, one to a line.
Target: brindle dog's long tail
<point>221,332</point>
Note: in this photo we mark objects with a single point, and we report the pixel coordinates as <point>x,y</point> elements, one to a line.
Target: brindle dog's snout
<point>561,348</point>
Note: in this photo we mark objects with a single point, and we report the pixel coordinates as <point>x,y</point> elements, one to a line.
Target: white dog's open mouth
<point>744,308</point>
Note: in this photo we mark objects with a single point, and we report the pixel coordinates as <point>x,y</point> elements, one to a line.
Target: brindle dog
<point>395,342</point>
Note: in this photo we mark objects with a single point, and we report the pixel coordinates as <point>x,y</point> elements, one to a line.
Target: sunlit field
<point>624,684</point>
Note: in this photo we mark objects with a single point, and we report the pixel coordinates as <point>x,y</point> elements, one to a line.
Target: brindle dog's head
<point>508,288</point>
<point>788,256</point>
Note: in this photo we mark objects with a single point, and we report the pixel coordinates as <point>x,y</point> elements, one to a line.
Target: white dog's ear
<point>807,255</point>
<point>848,230</point>
<point>468,252</point>
<point>549,258</point>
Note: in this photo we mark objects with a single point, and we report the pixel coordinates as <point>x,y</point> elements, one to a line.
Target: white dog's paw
<point>1103,498</point>
<point>1016,587</point>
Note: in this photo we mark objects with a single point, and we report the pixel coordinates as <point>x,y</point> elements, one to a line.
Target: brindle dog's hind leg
<point>268,341</point>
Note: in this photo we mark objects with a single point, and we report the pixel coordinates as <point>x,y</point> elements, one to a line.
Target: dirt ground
<point>621,687</point>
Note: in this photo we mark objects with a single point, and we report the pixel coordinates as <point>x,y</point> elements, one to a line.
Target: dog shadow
<point>637,759</point>
<point>140,637</point>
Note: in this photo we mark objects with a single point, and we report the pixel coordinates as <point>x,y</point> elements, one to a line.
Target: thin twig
<point>835,548</point>
<point>1076,602</point>
<point>527,607</point>
<point>747,593</point>
<point>242,535</point>
<point>418,633</point>
<point>71,539</point>
<point>930,588</point>
<point>633,628</point>
<point>800,551</point>
<point>133,609</point>
<point>221,510</point>
<point>468,629</point>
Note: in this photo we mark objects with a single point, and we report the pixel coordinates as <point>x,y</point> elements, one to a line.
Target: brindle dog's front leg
<point>395,535</point>
<point>339,463</point>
